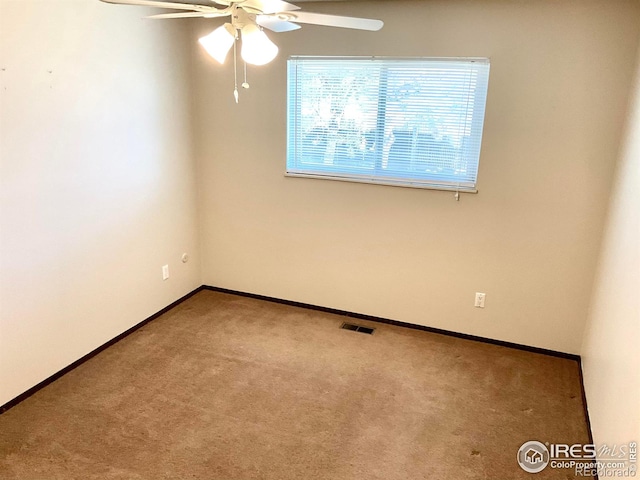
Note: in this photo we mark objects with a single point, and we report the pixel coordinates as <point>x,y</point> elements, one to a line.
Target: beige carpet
<point>232,388</point>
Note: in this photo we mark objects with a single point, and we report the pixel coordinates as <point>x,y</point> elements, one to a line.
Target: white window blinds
<point>411,122</point>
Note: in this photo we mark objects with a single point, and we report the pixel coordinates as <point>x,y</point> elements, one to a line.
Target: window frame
<point>354,174</point>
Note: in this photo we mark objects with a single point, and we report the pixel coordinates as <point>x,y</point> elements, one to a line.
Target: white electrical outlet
<point>480,299</point>
<point>165,272</point>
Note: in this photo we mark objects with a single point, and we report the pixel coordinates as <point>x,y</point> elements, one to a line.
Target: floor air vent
<point>357,328</point>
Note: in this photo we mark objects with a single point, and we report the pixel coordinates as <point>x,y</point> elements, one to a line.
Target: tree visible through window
<point>395,121</point>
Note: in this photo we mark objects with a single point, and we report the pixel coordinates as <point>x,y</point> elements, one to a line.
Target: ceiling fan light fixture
<point>257,49</point>
<point>219,42</point>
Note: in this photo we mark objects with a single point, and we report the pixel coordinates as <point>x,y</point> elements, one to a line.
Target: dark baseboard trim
<point>361,316</point>
<point>12,403</point>
<point>586,409</point>
<point>584,403</point>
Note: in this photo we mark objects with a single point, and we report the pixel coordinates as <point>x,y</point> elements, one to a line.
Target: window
<point>409,122</point>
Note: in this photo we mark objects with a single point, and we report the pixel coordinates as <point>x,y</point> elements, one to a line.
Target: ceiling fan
<point>248,18</point>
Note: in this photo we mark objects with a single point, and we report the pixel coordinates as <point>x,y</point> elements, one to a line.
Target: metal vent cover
<point>357,328</point>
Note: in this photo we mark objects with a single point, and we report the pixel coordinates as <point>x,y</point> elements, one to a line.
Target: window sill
<point>388,183</point>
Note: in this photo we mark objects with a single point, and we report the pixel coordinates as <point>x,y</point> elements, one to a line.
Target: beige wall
<point>611,350</point>
<point>560,76</point>
<point>97,185</point>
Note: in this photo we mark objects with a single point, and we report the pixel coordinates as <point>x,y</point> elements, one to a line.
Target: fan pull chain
<point>235,71</point>
<point>245,84</point>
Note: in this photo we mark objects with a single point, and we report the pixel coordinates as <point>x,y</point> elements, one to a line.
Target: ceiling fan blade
<point>189,15</point>
<point>275,24</point>
<point>268,6</point>
<point>153,3</point>
<point>332,20</point>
